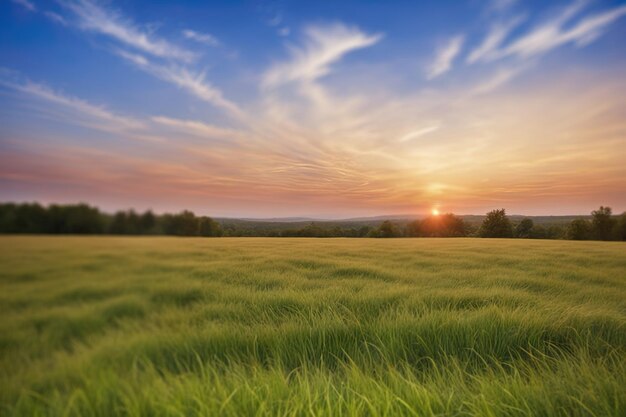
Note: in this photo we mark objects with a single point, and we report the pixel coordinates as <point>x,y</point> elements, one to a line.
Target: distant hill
<point>277,219</point>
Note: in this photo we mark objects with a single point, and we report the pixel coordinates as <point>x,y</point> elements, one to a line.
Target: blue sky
<point>327,109</point>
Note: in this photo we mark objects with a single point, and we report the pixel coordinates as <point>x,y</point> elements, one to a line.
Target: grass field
<point>99,326</point>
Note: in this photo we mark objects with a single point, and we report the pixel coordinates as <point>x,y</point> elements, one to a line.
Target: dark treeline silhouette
<point>83,219</point>
<point>603,226</point>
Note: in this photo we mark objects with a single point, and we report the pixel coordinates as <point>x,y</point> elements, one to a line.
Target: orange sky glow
<point>312,133</point>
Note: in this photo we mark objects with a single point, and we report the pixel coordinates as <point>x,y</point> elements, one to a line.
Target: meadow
<point>162,326</point>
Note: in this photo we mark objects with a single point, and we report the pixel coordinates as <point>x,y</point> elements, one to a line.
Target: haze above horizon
<point>327,110</point>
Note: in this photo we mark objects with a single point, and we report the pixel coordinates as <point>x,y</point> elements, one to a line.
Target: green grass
<point>99,326</point>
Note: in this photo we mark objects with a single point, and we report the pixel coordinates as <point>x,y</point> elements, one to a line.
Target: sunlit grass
<point>250,326</point>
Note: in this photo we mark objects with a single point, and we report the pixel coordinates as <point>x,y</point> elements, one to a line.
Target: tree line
<point>602,226</point>
<point>84,219</point>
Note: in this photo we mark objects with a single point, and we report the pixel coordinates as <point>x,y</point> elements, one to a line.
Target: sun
<point>435,212</point>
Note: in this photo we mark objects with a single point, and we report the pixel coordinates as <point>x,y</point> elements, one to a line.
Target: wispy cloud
<point>444,57</point>
<point>323,45</point>
<point>55,17</point>
<point>93,113</point>
<point>555,32</point>
<point>204,38</point>
<point>193,83</point>
<point>83,113</point>
<point>26,4</point>
<point>95,18</point>
<point>197,128</point>
<point>501,5</point>
<point>276,20</point>
<point>92,16</point>
<point>494,39</point>
<point>499,78</point>
<point>419,132</point>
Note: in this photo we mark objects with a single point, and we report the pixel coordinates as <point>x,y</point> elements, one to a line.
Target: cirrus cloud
<point>323,46</point>
<point>444,57</point>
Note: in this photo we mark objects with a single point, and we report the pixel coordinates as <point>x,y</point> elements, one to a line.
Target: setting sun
<point>435,212</point>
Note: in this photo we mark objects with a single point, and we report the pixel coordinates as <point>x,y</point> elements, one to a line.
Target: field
<point>99,326</point>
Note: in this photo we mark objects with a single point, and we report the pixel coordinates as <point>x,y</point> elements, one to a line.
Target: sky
<point>322,109</point>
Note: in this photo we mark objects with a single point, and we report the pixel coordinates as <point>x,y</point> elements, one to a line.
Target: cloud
<point>444,57</point>
<point>493,40</point>
<point>196,128</point>
<point>552,34</point>
<point>94,18</point>
<point>92,112</point>
<point>26,4</point>
<point>193,83</point>
<point>501,5</point>
<point>275,20</point>
<point>589,29</point>
<point>55,17</point>
<point>323,45</point>
<point>419,132</point>
<point>204,38</point>
<point>99,117</point>
<point>499,78</point>
<point>547,36</point>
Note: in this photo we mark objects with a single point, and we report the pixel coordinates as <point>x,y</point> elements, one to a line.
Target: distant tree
<point>388,229</point>
<point>539,232</point>
<point>524,228</point>
<point>352,232</point>
<point>446,225</point>
<point>133,223</point>
<point>620,227</point>
<point>579,229</point>
<point>453,226</point>
<point>119,224</point>
<point>126,223</point>
<point>496,224</point>
<point>30,218</point>
<point>83,219</point>
<point>472,229</point>
<point>181,224</point>
<point>208,227</point>
<point>556,231</point>
<point>310,230</point>
<point>413,229</point>
<point>147,222</point>
<point>363,231</point>
<point>167,224</point>
<point>7,218</point>
<point>430,227</point>
<point>57,217</point>
<point>602,223</point>
<point>337,232</point>
<point>186,224</point>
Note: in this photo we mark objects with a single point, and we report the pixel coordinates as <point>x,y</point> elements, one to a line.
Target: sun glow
<point>435,212</point>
